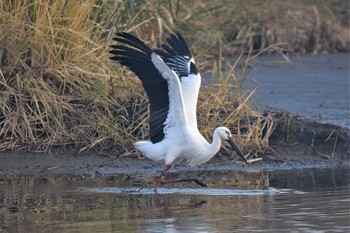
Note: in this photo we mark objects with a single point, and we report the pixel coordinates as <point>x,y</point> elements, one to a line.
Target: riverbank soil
<point>303,140</point>
<point>296,142</point>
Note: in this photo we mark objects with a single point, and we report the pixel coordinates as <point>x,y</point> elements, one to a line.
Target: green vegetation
<point>59,90</point>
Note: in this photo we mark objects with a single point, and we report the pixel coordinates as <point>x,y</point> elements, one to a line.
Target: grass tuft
<point>54,74</point>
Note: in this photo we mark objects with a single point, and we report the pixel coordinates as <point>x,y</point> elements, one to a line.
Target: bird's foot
<point>200,182</point>
<point>161,180</point>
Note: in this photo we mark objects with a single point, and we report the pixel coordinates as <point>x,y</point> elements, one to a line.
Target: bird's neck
<point>214,147</point>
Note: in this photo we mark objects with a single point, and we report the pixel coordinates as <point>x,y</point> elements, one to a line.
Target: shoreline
<point>296,143</point>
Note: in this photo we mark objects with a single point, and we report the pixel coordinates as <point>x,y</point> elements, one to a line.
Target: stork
<point>172,82</point>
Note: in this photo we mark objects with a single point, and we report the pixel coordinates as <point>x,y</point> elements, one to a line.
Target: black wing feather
<point>176,55</point>
<point>175,43</point>
<point>136,55</point>
<point>184,45</point>
<point>169,50</point>
<point>131,40</point>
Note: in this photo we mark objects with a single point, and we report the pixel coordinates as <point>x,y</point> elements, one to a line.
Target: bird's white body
<point>181,146</point>
<point>183,142</point>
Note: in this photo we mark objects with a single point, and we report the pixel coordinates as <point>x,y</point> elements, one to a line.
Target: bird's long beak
<point>236,148</point>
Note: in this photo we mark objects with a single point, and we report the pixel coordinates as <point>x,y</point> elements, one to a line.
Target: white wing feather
<point>190,88</point>
<point>177,112</point>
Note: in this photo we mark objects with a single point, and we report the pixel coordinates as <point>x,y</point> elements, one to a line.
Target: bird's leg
<point>161,179</point>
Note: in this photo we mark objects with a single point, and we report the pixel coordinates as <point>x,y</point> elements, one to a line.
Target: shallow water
<point>313,86</point>
<point>300,200</point>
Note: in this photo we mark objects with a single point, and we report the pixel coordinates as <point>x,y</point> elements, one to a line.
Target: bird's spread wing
<point>133,53</point>
<point>161,83</point>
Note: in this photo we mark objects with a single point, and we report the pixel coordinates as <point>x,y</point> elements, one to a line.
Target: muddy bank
<point>297,142</point>
<point>302,139</point>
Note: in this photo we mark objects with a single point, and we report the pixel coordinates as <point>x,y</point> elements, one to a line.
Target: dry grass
<point>303,26</point>
<point>54,72</point>
<point>59,90</point>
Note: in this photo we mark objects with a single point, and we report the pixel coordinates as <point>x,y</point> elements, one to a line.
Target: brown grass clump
<point>54,72</point>
<point>303,26</point>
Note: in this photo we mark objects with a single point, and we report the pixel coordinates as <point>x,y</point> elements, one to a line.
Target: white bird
<point>171,81</point>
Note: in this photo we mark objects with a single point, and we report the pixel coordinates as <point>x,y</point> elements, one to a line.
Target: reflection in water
<point>316,200</point>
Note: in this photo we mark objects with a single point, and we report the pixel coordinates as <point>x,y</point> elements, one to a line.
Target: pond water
<point>313,86</point>
<point>298,200</point>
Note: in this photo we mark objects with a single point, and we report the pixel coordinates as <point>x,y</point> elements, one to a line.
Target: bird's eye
<point>193,69</point>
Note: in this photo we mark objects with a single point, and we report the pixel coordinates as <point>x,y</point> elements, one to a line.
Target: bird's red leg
<point>160,179</point>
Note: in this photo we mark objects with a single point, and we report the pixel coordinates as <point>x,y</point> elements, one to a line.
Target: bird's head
<point>225,134</point>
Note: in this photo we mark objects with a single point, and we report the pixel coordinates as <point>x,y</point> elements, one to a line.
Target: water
<point>313,86</point>
<point>301,200</point>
